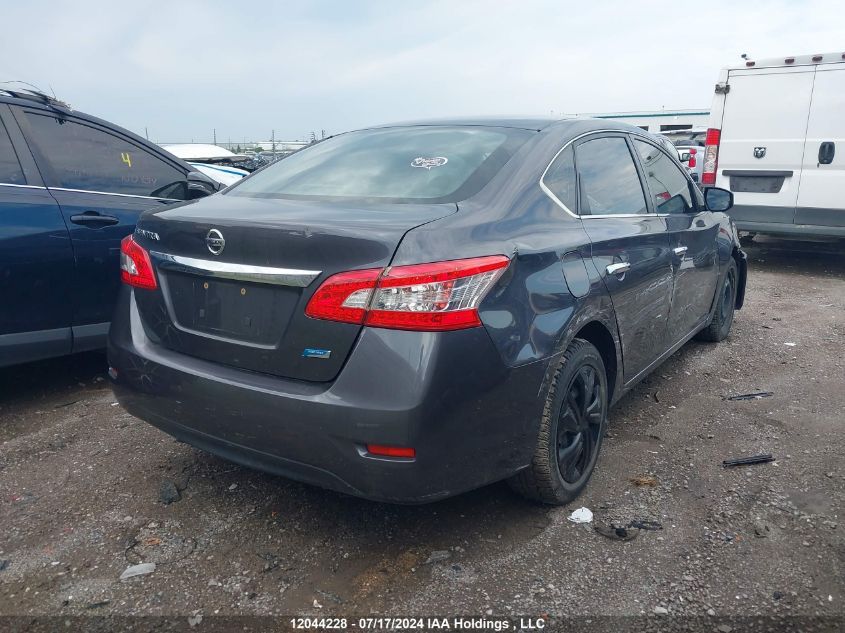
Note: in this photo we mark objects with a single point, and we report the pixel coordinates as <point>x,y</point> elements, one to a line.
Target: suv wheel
<point>571,430</point>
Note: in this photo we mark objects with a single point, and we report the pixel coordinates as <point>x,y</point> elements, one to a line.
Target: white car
<point>212,160</point>
<point>775,126</point>
<point>220,173</point>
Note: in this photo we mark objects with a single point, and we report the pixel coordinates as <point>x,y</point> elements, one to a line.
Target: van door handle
<point>679,250</point>
<point>618,269</point>
<point>827,151</point>
<point>94,219</point>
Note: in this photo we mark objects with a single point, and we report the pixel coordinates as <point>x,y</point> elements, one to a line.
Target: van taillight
<point>692,153</point>
<point>136,269</point>
<point>711,156</point>
<point>427,297</point>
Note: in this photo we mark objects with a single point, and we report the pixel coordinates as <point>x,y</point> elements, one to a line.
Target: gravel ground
<point>83,488</point>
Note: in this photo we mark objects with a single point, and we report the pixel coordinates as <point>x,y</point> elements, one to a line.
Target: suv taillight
<point>692,153</point>
<point>431,297</point>
<point>711,156</point>
<point>136,269</point>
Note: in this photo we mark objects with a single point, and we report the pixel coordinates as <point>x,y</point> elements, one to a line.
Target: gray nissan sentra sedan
<point>408,312</point>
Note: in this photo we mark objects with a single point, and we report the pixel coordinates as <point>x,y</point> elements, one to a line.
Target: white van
<point>777,140</point>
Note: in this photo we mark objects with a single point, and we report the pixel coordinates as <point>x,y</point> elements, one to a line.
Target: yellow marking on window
<point>124,156</point>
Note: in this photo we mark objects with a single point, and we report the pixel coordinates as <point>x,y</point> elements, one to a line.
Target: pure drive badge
<point>313,352</point>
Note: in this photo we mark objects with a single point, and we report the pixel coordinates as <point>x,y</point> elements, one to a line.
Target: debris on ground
<point>756,395</point>
<point>4,564</point>
<point>168,492</point>
<point>331,596</point>
<point>617,533</point>
<point>746,461</point>
<point>581,515</point>
<point>138,570</point>
<point>642,524</point>
<point>661,611</point>
<point>644,480</point>
<point>761,530</point>
<point>438,556</point>
<point>97,605</point>
<point>317,605</point>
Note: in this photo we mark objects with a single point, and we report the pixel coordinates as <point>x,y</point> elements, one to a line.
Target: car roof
<point>525,123</point>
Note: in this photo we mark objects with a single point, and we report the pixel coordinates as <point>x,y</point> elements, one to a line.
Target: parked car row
<point>71,187</point>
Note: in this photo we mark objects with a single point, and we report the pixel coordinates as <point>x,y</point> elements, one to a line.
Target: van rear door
<point>762,148</point>
<point>821,201</point>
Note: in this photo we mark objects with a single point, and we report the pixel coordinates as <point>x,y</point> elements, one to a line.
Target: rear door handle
<point>679,250</point>
<point>618,269</point>
<point>827,151</point>
<point>94,219</point>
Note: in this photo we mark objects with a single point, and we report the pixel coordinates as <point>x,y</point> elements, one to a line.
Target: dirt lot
<point>81,484</point>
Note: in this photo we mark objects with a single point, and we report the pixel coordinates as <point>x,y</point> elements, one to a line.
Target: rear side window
<point>669,188</point>
<point>10,167</point>
<point>86,158</point>
<point>560,179</point>
<point>608,178</point>
<point>402,164</point>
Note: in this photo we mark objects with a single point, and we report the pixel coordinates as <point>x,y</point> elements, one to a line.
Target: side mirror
<point>684,157</point>
<point>198,190</point>
<point>716,199</point>
<point>200,185</point>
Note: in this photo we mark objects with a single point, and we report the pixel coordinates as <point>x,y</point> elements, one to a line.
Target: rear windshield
<point>401,164</point>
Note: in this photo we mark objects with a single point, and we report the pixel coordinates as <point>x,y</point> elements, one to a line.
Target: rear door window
<point>560,179</point>
<point>668,186</point>
<point>10,167</point>
<point>608,178</point>
<point>401,164</point>
<point>86,158</point>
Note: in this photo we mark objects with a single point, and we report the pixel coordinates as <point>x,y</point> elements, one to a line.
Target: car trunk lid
<point>235,275</point>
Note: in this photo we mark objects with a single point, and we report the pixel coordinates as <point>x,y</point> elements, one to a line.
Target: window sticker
<point>429,163</point>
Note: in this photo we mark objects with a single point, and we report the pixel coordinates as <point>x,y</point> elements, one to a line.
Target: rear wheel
<point>571,430</point>
<point>723,318</point>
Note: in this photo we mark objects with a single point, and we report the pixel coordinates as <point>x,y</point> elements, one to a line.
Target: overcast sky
<point>182,68</point>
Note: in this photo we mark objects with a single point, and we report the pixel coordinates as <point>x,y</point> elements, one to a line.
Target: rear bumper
<point>471,419</point>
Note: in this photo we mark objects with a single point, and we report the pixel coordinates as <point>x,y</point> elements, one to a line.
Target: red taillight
<point>431,297</point>
<point>391,451</point>
<point>344,297</point>
<point>692,153</point>
<point>136,269</point>
<point>711,156</point>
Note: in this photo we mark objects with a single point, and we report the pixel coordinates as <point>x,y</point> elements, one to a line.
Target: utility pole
<point>273,141</point>
<point>146,133</point>
<point>215,136</point>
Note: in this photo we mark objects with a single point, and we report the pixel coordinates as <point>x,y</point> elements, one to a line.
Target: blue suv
<point>71,187</point>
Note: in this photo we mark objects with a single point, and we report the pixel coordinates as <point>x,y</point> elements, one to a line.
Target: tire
<point>747,239</point>
<point>723,317</point>
<point>562,464</point>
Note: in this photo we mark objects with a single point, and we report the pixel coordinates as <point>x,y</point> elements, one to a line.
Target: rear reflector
<point>711,156</point>
<point>391,451</point>
<point>428,297</point>
<point>136,269</point>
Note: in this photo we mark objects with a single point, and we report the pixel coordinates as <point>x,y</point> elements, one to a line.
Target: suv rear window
<point>401,164</point>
